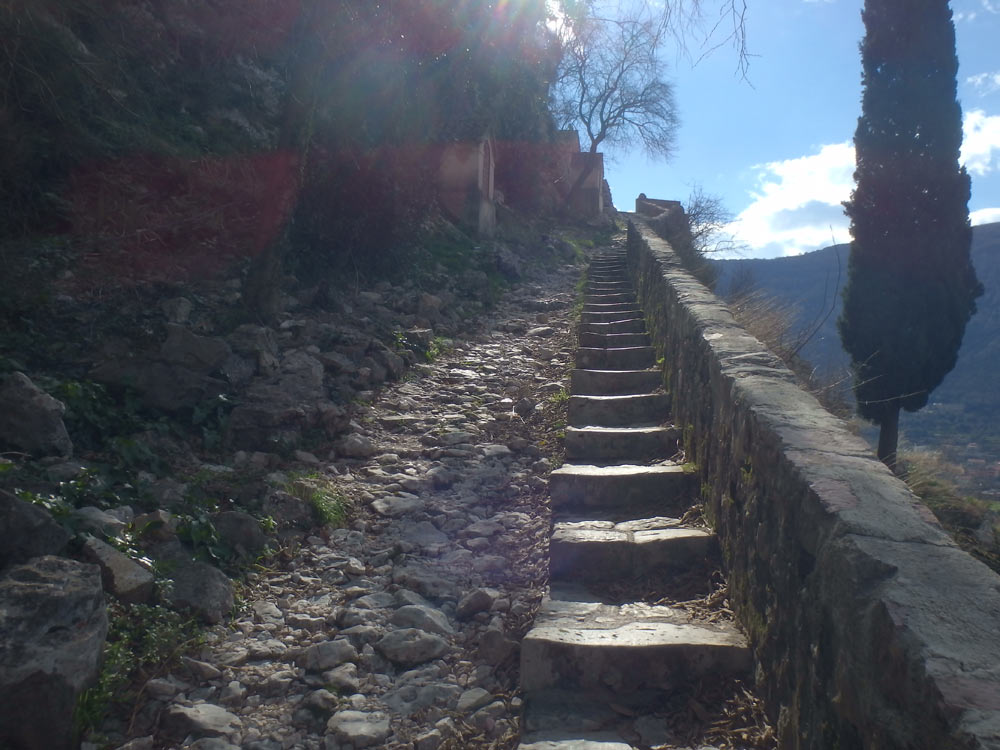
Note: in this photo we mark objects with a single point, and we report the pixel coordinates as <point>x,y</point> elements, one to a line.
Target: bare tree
<point>709,219</point>
<point>612,86</point>
<point>612,80</point>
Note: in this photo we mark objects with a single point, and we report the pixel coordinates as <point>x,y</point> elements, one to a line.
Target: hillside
<point>964,409</point>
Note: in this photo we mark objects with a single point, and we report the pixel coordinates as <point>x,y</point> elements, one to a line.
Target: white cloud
<point>965,16</point>
<point>981,142</point>
<point>984,216</point>
<point>985,83</point>
<point>797,201</point>
<point>796,205</point>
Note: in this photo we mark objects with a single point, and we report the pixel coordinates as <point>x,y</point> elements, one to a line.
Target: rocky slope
<point>387,445</point>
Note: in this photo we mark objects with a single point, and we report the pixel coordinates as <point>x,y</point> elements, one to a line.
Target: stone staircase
<point>601,669</point>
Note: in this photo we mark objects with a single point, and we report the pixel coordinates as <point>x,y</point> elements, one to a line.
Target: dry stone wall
<point>870,627</point>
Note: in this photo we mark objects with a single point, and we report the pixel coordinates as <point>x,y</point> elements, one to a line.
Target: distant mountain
<point>965,408</point>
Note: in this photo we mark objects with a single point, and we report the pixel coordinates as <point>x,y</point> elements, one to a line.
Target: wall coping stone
<point>870,626</point>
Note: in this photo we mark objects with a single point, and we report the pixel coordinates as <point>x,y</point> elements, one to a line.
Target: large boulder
<point>204,354</point>
<point>27,531</point>
<point>199,720</point>
<point>52,629</point>
<point>161,385</point>
<point>30,419</point>
<point>240,531</point>
<point>202,589</point>
<point>181,374</point>
<point>272,416</point>
<point>120,574</point>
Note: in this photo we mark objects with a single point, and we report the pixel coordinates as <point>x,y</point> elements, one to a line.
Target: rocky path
<point>428,621</point>
<point>402,629</point>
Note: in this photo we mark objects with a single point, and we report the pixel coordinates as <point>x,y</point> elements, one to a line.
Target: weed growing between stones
<point>560,397</point>
<point>144,642</point>
<point>332,508</point>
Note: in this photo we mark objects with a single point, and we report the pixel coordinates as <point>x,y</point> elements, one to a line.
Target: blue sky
<point>778,150</point>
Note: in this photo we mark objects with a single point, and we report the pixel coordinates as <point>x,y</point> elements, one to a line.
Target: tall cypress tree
<point>911,285</point>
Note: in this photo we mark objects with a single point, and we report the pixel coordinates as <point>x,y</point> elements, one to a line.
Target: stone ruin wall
<point>871,628</point>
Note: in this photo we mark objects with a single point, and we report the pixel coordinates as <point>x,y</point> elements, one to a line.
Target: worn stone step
<point>607,287</point>
<point>632,325</point>
<point>601,551</point>
<point>571,720</point>
<point>628,358</point>
<point>625,649</point>
<point>598,382</point>
<point>559,741</point>
<point>581,487</point>
<point>574,720</point>
<point>604,298</point>
<point>622,310</point>
<point>610,275</point>
<point>613,340</point>
<point>618,444</point>
<point>617,276</point>
<point>610,284</point>
<point>618,411</point>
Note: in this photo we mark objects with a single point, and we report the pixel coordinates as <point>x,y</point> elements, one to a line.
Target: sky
<point>777,148</point>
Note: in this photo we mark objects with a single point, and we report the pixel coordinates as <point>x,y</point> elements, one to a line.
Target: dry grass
<point>973,523</point>
<point>773,322</point>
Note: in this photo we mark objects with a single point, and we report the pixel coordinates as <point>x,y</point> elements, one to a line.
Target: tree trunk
<point>888,437</point>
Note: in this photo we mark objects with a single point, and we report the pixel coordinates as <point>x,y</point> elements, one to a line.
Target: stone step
<point>629,310</point>
<point>606,445</point>
<point>625,649</point>
<point>607,296</point>
<point>604,298</point>
<point>600,551</point>
<point>629,358</point>
<point>581,487</point>
<point>613,340</point>
<point>595,382</point>
<point>609,316</point>
<point>558,715</point>
<point>632,325</point>
<point>603,290</point>
<point>608,277</point>
<point>618,411</point>
<point>586,741</point>
<point>571,720</point>
<point>609,284</point>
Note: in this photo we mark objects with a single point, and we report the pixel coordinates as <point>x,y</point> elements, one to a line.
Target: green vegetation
<point>143,642</point>
<point>330,505</point>
<point>560,397</point>
<point>911,287</point>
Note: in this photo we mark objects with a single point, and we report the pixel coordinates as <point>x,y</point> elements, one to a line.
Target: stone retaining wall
<point>870,627</point>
